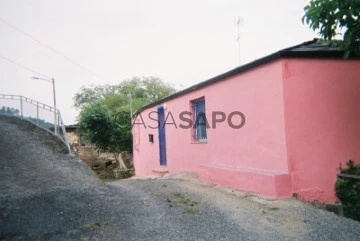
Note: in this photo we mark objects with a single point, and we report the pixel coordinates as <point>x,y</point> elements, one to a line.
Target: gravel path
<point>48,195</point>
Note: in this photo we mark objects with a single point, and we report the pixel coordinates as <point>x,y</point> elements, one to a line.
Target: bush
<point>348,191</point>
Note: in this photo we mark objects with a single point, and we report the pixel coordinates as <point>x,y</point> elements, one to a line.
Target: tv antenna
<point>239,21</point>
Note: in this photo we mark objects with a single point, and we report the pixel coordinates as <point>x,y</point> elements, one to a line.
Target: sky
<point>96,42</point>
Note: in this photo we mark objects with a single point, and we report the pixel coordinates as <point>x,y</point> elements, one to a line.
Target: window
<point>200,122</point>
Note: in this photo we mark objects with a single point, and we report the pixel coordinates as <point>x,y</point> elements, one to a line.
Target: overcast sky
<point>182,42</point>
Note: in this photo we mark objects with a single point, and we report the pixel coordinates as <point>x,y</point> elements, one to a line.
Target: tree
<point>328,16</point>
<point>9,111</point>
<point>89,95</point>
<point>143,91</point>
<point>104,117</point>
<point>108,132</point>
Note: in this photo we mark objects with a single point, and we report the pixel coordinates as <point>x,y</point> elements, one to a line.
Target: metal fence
<point>349,176</point>
<point>38,113</point>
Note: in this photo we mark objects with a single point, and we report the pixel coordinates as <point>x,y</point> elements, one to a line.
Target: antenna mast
<point>239,23</point>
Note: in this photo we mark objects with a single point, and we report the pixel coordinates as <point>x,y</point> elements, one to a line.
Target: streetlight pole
<point>52,81</point>
<point>55,109</point>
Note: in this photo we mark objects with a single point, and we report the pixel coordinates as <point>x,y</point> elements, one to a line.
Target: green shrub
<point>348,191</point>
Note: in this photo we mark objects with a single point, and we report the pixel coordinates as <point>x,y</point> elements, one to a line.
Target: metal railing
<point>40,114</point>
<point>349,176</point>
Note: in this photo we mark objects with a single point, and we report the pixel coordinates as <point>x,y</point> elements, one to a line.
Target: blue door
<point>161,130</point>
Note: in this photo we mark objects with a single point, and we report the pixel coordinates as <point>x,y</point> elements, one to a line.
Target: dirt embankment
<point>104,164</point>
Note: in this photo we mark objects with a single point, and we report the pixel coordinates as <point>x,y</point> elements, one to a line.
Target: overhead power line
<point>22,66</point>
<point>51,49</point>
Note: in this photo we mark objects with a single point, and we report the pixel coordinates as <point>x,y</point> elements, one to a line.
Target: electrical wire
<point>52,49</point>
<point>23,66</point>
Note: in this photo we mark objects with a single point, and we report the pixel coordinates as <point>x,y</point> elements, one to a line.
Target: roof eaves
<point>287,52</point>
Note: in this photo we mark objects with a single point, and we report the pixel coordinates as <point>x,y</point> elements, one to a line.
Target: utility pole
<point>239,23</point>
<point>131,109</point>
<point>55,109</point>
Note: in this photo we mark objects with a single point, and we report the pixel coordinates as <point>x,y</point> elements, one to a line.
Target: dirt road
<point>48,195</point>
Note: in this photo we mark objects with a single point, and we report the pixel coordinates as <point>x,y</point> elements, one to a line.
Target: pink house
<point>278,126</point>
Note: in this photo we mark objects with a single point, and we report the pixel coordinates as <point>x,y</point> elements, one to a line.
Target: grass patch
<point>109,179</point>
<point>182,198</point>
<point>190,211</point>
<point>185,200</point>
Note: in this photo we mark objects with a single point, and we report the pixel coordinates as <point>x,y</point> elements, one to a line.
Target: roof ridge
<point>315,40</point>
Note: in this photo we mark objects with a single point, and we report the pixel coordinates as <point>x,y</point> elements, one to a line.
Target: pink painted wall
<point>322,113</point>
<point>257,150</point>
<point>302,120</point>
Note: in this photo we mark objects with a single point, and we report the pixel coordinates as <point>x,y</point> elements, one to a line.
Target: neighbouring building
<point>280,125</point>
<point>75,139</point>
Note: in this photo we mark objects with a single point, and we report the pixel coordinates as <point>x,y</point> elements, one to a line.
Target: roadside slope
<point>46,193</point>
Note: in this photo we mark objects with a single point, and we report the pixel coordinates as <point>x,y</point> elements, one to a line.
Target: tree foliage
<point>9,111</point>
<point>142,90</point>
<point>104,117</point>
<point>100,127</point>
<point>348,190</point>
<point>89,95</point>
<point>328,16</point>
